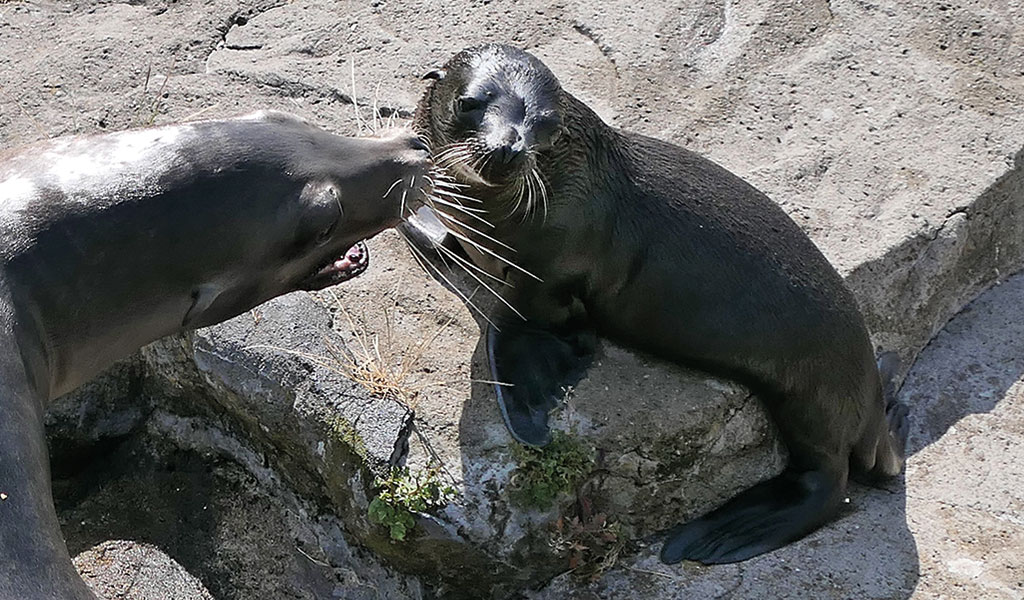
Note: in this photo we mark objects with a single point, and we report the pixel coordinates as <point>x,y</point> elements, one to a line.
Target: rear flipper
<point>881,452</point>
<point>532,367</point>
<point>767,516</point>
<point>897,415</point>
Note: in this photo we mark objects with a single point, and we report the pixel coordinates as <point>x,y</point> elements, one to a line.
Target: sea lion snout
<point>410,148</point>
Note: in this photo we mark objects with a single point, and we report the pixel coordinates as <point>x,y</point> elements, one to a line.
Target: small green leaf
<point>398,531</point>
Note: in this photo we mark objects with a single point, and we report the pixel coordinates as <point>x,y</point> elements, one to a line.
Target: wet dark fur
<point>107,244</point>
<point>659,249</point>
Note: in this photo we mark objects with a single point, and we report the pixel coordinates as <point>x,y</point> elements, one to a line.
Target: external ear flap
<point>202,297</point>
<point>436,74</point>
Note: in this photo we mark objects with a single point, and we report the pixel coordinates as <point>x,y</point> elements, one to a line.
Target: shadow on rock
<point>970,365</point>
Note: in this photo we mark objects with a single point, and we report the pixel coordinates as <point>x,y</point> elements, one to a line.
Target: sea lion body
<point>664,251</point>
<point>109,242</point>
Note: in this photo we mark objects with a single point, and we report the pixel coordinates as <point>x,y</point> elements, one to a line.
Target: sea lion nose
<point>417,143</point>
<point>513,147</point>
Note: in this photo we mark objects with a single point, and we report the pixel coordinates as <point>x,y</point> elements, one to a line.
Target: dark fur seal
<point>109,242</point>
<point>652,246</point>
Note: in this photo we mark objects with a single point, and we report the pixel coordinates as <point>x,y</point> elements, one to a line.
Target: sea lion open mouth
<point>351,264</point>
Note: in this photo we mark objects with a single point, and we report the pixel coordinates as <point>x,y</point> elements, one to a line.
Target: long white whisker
<point>530,201</point>
<point>490,252</point>
<point>519,190</point>
<point>470,265</point>
<point>487,287</point>
<point>451,219</point>
<point>426,265</point>
<point>391,188</point>
<point>437,196</point>
<point>543,193</point>
<point>405,191</point>
<point>459,196</point>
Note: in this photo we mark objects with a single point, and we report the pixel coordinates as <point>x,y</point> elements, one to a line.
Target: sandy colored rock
<point>891,132</point>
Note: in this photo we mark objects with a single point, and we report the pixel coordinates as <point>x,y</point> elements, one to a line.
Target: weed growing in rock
<point>402,495</point>
<point>544,473</point>
<point>591,541</point>
<point>378,363</point>
<point>149,107</point>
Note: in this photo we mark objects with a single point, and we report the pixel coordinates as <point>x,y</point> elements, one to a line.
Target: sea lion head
<point>489,112</point>
<point>306,231</point>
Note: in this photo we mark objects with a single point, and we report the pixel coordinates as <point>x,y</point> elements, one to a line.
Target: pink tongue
<point>352,258</point>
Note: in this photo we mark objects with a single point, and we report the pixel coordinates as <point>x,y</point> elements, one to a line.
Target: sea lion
<point>108,242</point>
<point>602,232</point>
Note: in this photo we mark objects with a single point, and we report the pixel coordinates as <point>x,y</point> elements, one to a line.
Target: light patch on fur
<point>15,193</point>
<point>101,167</point>
<point>269,116</point>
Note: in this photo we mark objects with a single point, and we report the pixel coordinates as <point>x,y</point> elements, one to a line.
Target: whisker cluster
<point>464,218</point>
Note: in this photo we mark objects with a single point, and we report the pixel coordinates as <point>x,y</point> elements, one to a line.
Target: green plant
<point>402,494</point>
<point>544,473</point>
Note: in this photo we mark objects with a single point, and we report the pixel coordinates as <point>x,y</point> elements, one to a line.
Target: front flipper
<point>531,367</point>
<point>767,516</point>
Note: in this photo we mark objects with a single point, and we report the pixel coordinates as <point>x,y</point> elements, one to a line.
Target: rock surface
<point>890,131</point>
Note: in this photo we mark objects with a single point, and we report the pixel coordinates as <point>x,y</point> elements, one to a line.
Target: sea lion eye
<point>468,104</point>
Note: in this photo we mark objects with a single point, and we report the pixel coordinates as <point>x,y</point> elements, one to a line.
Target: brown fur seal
<point>624,236</point>
<point>109,242</point>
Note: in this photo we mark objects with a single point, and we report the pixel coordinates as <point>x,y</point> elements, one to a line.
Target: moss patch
<point>342,431</point>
